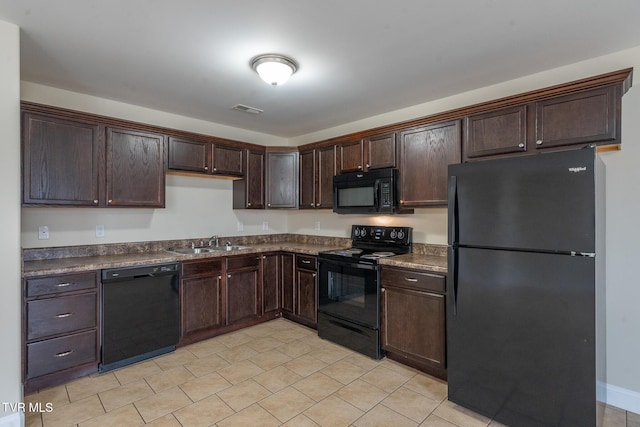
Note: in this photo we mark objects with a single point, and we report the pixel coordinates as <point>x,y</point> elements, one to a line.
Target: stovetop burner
<point>370,243</point>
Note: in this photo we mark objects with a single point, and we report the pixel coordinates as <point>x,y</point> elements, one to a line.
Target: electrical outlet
<point>99,230</point>
<point>240,226</point>
<point>317,225</point>
<point>43,232</point>
<point>265,225</point>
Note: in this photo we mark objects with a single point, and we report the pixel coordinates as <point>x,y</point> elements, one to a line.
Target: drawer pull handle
<point>410,279</point>
<point>63,354</point>
<point>63,315</point>
<point>304,261</point>
<point>63,285</point>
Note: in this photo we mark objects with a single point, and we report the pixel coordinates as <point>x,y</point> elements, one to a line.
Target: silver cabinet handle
<point>410,279</point>
<point>63,315</point>
<point>382,290</point>
<point>63,285</point>
<point>110,201</point>
<point>311,204</point>
<point>368,165</point>
<point>248,203</point>
<point>521,145</point>
<point>95,202</point>
<point>304,261</point>
<point>206,168</point>
<point>539,142</point>
<point>215,169</point>
<point>219,277</point>
<point>359,167</point>
<point>228,276</point>
<point>313,275</point>
<point>269,204</point>
<point>63,354</point>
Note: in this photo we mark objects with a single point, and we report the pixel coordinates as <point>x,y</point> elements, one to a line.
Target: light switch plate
<point>317,225</point>
<point>99,230</point>
<point>240,226</point>
<point>43,232</point>
<point>265,225</point>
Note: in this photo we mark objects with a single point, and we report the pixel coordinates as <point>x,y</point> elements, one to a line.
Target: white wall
<point>10,381</point>
<point>195,198</point>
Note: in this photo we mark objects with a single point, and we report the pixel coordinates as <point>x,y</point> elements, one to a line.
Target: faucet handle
<point>228,243</point>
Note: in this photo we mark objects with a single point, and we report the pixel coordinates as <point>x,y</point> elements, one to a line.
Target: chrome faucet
<point>214,240</point>
<point>228,243</point>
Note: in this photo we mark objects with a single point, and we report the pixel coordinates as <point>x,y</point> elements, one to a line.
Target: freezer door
<point>542,202</point>
<point>521,337</point>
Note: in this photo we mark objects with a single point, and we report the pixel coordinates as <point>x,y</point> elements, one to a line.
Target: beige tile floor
<point>276,373</point>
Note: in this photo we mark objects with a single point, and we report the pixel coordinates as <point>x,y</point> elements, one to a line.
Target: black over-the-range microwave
<point>372,192</point>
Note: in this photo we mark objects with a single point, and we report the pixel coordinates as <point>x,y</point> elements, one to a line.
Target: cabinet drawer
<point>56,354</point>
<point>201,267</point>
<point>413,279</point>
<point>306,262</point>
<point>236,263</point>
<point>55,316</point>
<point>63,283</point>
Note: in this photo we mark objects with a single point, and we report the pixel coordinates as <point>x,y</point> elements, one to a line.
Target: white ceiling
<point>357,58</point>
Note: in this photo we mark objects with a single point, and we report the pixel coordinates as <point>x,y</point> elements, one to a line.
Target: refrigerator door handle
<point>453,209</point>
<point>453,274</point>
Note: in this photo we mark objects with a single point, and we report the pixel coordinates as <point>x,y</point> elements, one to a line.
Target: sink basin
<point>190,251</point>
<point>229,248</point>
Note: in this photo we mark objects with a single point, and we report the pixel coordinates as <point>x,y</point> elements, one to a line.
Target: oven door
<point>349,291</point>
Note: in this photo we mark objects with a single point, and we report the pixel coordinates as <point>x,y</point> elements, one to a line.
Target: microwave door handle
<point>376,194</point>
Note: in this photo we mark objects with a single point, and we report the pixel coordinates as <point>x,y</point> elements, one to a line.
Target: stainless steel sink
<point>190,251</point>
<point>208,249</point>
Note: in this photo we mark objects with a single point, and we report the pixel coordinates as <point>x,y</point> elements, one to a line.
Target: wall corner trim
<point>623,398</point>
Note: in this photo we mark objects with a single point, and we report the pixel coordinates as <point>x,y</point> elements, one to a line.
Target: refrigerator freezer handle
<point>453,276</point>
<point>452,212</point>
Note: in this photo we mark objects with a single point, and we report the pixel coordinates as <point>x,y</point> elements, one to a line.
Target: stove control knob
<point>356,232</point>
<point>363,232</point>
<point>393,234</point>
<point>400,234</point>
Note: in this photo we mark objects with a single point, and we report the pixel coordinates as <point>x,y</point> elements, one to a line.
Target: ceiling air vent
<point>247,109</point>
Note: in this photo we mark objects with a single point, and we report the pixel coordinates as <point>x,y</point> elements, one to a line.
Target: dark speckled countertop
<point>40,262</point>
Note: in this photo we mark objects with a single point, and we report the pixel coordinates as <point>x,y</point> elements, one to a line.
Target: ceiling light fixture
<point>274,69</point>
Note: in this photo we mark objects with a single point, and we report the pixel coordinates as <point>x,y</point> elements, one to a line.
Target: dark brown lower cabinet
<point>201,296</point>
<point>60,329</point>
<point>271,283</point>
<point>244,293</point>
<point>288,288</point>
<point>413,326</point>
<point>305,306</point>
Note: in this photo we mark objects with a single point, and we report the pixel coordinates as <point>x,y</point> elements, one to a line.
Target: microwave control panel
<point>385,194</point>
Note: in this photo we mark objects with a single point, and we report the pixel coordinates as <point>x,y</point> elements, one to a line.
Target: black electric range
<point>349,286</point>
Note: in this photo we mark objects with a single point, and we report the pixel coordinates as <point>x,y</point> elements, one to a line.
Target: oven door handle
<point>348,264</point>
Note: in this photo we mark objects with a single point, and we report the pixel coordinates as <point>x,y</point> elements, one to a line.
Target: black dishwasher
<point>140,314</point>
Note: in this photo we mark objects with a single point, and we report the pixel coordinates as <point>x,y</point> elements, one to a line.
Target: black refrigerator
<point>526,314</point>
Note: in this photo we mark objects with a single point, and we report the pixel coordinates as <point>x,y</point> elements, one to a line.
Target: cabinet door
<point>425,154</point>
<point>227,160</point>
<point>60,161</point>
<point>188,155</point>
<point>242,295</point>
<point>325,171</point>
<point>271,273</point>
<point>496,132</point>
<point>201,303</point>
<point>581,118</point>
<point>381,151</point>
<point>413,324</point>
<point>307,179</point>
<point>351,156</point>
<point>255,179</point>
<point>282,180</point>
<point>288,288</point>
<point>306,291</point>
<point>135,168</point>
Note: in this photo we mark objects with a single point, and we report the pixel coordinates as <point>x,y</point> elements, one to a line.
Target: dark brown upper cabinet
<point>227,160</point>
<point>380,151</point>
<point>189,155</point>
<point>425,153</point>
<point>68,161</point>
<point>317,169</point>
<point>374,152</point>
<point>248,193</point>
<point>496,132</point>
<point>61,161</point>
<point>586,117</point>
<point>135,168</point>
<point>282,179</point>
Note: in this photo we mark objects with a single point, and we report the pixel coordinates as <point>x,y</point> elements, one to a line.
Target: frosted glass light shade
<point>274,69</point>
